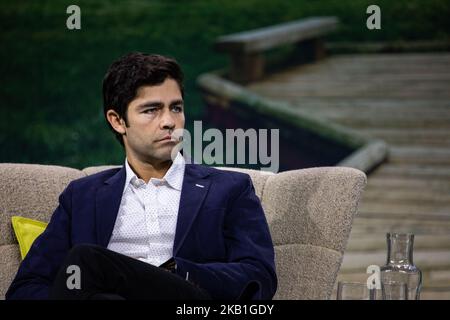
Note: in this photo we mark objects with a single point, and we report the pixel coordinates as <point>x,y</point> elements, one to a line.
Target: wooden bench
<point>246,48</point>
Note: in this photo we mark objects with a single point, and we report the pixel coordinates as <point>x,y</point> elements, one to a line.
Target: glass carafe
<point>400,266</point>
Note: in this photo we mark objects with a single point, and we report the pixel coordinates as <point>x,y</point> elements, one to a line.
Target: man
<point>156,228</point>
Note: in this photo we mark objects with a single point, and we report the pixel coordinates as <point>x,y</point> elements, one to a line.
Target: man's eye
<point>150,110</point>
<point>177,108</point>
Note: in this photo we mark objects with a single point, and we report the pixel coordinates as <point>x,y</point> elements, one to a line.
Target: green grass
<point>50,93</point>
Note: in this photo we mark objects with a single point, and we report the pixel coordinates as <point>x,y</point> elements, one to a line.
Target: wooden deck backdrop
<point>405,100</point>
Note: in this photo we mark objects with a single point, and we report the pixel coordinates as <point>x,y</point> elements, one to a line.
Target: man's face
<point>152,116</point>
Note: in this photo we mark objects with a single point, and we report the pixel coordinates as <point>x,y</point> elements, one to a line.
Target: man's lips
<point>168,138</point>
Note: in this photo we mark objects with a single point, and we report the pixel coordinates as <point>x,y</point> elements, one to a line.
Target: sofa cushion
<point>31,191</point>
<point>309,212</point>
<point>259,178</point>
<point>305,271</point>
<point>318,211</point>
<point>9,263</point>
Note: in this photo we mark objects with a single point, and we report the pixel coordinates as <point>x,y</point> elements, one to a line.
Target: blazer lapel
<point>195,187</point>
<point>107,202</point>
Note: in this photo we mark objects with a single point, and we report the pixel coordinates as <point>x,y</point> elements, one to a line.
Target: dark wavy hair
<point>128,73</point>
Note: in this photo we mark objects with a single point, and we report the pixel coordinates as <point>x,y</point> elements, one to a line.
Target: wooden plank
<point>390,46</point>
<point>363,88</point>
<point>350,67</point>
<point>329,80</point>
<point>365,226</point>
<point>441,172</point>
<point>415,133</point>
<point>377,76</point>
<point>416,197</point>
<point>389,63</point>
<point>399,114</point>
<point>398,182</point>
<point>418,143</point>
<point>428,188</point>
<point>374,242</point>
<point>437,277</point>
<point>432,142</point>
<point>387,210</point>
<point>333,77</point>
<point>394,122</point>
<point>419,155</point>
<point>434,294</point>
<point>269,37</point>
<point>348,106</point>
<point>343,100</point>
<point>414,137</point>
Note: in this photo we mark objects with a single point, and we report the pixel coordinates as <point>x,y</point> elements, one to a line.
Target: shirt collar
<point>174,176</point>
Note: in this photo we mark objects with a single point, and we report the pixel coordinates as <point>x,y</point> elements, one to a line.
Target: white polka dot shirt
<point>147,218</point>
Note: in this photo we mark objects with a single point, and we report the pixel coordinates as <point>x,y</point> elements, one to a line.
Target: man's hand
<point>170,265</point>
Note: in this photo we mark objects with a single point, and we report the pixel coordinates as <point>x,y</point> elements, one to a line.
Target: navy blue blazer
<point>222,238</point>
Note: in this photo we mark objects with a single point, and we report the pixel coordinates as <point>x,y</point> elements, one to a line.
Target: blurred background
<point>50,93</point>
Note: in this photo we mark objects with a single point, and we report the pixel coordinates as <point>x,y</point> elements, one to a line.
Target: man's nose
<point>167,121</point>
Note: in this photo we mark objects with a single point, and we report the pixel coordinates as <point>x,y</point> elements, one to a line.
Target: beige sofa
<point>309,211</point>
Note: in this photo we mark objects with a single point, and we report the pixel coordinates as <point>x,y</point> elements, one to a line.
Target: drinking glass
<point>393,290</point>
<point>354,291</point>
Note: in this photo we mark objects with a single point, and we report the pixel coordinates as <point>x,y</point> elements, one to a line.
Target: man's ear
<point>116,121</point>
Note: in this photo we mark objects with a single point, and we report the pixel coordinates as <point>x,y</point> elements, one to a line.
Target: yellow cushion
<point>26,230</point>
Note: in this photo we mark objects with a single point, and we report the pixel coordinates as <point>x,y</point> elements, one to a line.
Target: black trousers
<point>108,275</point>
